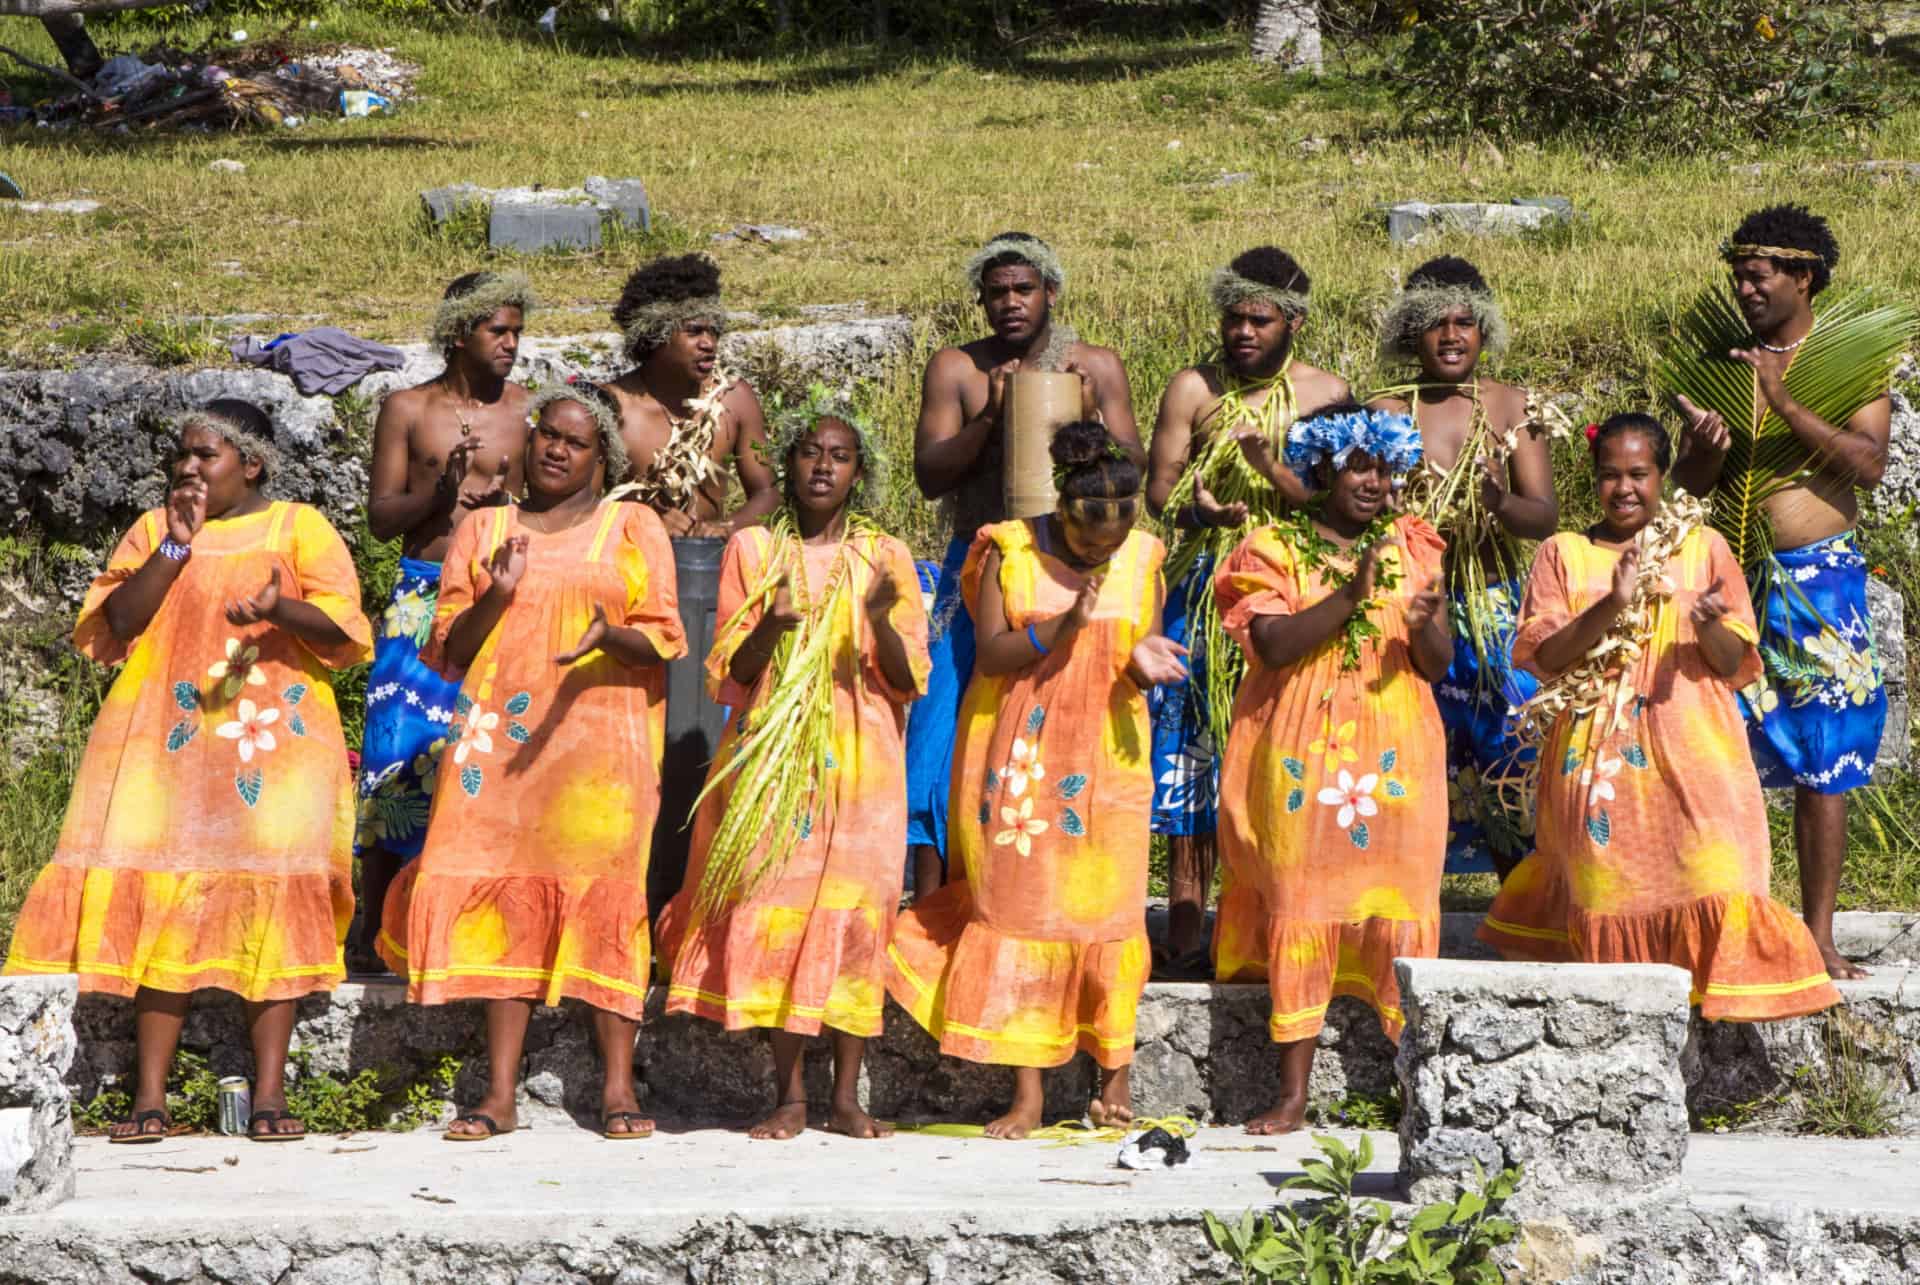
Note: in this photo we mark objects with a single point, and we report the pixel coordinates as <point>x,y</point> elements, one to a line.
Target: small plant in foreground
<point>1335,1240</point>
<point>1847,1096</point>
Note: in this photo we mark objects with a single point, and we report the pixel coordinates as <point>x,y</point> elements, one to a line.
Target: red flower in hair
<point>1593,431</point>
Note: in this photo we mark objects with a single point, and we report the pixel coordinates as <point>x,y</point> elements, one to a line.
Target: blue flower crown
<point>1385,435</point>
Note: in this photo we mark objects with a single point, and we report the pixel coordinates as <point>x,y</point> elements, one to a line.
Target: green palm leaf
<point>1846,362</point>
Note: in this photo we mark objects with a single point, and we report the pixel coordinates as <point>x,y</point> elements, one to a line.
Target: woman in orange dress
<point>1039,949</point>
<point>1333,791</point>
<point>555,616</point>
<point>803,947</point>
<point>209,838</point>
<point>1652,839</point>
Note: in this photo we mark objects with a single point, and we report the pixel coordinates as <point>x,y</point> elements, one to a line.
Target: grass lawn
<point>1115,150</point>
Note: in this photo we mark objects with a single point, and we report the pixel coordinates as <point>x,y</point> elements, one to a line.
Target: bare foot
<point>1286,1115</point>
<point>1114,1107</point>
<point>848,1118</point>
<point>787,1121</point>
<point>497,1109</point>
<point>1017,1123</point>
<point>1839,967</point>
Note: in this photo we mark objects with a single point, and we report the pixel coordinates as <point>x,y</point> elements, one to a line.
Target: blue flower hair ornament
<point>1385,435</point>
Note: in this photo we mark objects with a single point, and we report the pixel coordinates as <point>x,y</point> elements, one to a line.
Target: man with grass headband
<point>1214,419</point>
<point>1788,417</point>
<point>1016,278</point>
<point>1486,484</point>
<point>440,450</point>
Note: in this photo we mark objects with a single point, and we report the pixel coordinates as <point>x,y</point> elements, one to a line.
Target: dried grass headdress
<point>789,422</point>
<point>1036,254</point>
<point>1420,308</point>
<point>613,447</point>
<point>456,317</point>
<point>653,324</point>
<point>1227,288</point>
<point>251,445</point>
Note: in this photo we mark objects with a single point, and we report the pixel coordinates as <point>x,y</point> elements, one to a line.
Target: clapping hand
<point>1425,606</point>
<point>492,492</point>
<point>1083,603</point>
<point>260,607</point>
<point>508,564</point>
<point>1625,573</point>
<point>186,511</point>
<point>1158,659</point>
<point>1493,484</point>
<point>781,611</point>
<point>1211,513</point>
<point>1710,606</point>
<point>1705,429</point>
<point>882,594</point>
<point>589,641</point>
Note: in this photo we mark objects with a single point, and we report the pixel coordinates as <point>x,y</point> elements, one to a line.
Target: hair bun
<point>1078,444</point>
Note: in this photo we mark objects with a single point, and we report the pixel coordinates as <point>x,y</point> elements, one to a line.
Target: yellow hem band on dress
<point>157,966</point>
<point>1767,988</point>
<point>1385,1010</point>
<point>1073,1040</point>
<point>1521,930</point>
<point>553,976</point>
<point>772,1007</point>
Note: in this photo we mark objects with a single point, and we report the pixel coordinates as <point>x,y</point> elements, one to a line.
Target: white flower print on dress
<point>249,730</point>
<point>238,669</point>
<point>1353,798</point>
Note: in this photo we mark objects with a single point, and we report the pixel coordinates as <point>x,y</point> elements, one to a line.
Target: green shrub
<point>1339,1241</point>
<point>1662,76</point>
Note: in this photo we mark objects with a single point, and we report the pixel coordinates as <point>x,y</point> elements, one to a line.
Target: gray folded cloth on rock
<point>325,359</point>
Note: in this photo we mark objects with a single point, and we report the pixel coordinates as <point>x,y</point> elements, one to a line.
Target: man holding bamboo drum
<point>1485,483</point>
<point>1788,416</point>
<point>960,454</point>
<point>1240,405</point>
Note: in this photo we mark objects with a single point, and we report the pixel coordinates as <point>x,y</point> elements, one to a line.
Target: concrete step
<point>555,1206</point>
<point>1203,1051</point>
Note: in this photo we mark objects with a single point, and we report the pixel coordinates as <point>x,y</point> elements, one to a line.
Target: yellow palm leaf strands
<point>1846,361</point>
<point>781,753</point>
<point>1223,469</point>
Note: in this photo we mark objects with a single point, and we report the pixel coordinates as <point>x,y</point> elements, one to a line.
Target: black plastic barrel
<point>694,722</point>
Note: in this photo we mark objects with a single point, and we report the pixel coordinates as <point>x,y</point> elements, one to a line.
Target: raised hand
<point>1705,429</point>
<point>882,594</point>
<point>260,606</point>
<point>186,511</point>
<point>1258,448</point>
<point>1770,369</point>
<point>1493,483</point>
<point>508,564</point>
<point>454,474</point>
<point>1361,586</point>
<point>1083,603</point>
<point>782,611</point>
<point>1710,606</point>
<point>1211,512</point>
<point>1158,659</point>
<point>492,492</point>
<point>589,641</point>
<point>1625,573</point>
<point>1426,605</point>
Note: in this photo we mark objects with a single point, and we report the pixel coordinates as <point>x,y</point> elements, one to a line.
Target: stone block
<point>36,1127</point>
<point>624,198</point>
<point>1500,1064</point>
<point>533,226</point>
<point>1888,613</point>
<point>1410,221</point>
<point>1286,34</point>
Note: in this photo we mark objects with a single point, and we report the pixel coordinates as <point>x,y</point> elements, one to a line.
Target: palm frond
<point>1847,360</point>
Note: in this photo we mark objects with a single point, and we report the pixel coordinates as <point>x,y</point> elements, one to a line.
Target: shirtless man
<point>1446,319</point>
<point>683,425</point>
<point>1818,734</point>
<point>1016,278</point>
<point>440,450</point>
<point>1252,392</point>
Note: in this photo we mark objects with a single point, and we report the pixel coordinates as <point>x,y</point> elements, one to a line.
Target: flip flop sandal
<point>272,1120</point>
<point>139,1122</point>
<point>630,1133</point>
<point>493,1130</point>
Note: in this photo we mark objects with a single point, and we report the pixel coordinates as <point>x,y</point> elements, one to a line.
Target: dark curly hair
<point>462,286</point>
<point>668,279</point>
<point>1272,266</point>
<point>1792,227</point>
<point>1093,472</point>
<point>1448,270</point>
<point>1633,421</point>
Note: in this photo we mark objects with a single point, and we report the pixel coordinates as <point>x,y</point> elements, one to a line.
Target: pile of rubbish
<point>235,86</point>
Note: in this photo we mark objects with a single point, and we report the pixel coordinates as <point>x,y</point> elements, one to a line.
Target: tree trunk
<point>68,31</point>
<point>1286,33</point>
<point>58,8</point>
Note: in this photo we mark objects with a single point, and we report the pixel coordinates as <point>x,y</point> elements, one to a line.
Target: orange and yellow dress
<point>532,883</point>
<point>806,948</point>
<point>1333,795</point>
<point>208,841</point>
<point>1652,843</point>
<point>1040,947</point>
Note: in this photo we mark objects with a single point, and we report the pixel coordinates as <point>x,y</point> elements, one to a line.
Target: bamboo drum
<point>1038,402</point>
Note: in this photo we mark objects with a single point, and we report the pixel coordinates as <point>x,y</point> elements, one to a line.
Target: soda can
<point>236,1104</point>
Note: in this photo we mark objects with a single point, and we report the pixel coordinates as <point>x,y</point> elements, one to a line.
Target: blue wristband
<point>1035,640</point>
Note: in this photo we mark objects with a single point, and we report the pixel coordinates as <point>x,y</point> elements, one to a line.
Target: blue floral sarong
<point>1476,708</point>
<point>1186,768</point>
<point>1815,716</point>
<point>933,719</point>
<point>408,706</point>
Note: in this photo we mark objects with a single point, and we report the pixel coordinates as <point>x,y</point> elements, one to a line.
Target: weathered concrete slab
<point>559,1207</point>
<point>36,1126</point>
<point>1571,1070</point>
<point>1888,612</point>
<point>1409,221</point>
<point>532,219</point>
